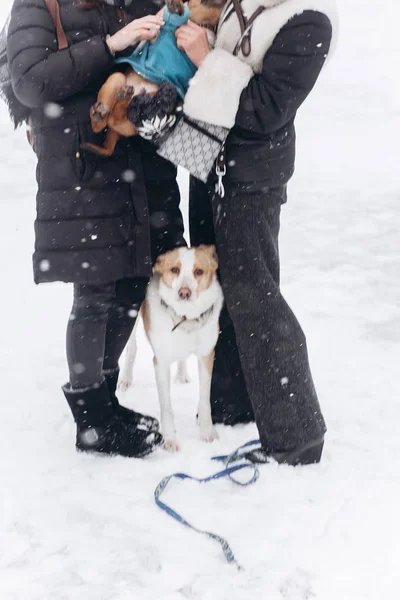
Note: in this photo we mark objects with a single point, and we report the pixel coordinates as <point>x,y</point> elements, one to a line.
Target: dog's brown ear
<point>211,252</point>
<point>159,265</point>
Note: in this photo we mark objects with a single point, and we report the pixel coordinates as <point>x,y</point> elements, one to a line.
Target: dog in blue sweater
<point>156,77</point>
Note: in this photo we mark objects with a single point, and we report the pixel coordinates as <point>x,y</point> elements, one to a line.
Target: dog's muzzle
<point>185,293</point>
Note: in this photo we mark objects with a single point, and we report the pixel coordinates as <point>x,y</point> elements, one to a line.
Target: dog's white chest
<point>174,338</point>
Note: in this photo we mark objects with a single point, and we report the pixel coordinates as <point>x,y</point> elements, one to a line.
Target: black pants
<point>99,327</point>
<point>261,357</point>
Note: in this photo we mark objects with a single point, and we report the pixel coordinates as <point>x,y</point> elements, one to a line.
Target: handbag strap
<point>54,10</point>
<point>244,44</point>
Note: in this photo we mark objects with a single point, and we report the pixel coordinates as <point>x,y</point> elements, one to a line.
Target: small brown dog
<point>118,91</point>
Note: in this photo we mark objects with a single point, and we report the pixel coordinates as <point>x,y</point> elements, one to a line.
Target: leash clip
<point>219,187</point>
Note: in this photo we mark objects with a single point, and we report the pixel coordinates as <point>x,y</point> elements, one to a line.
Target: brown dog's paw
<point>126,93</point>
<point>99,112</point>
<point>175,6</point>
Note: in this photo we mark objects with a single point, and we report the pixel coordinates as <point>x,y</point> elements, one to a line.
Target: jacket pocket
<point>85,162</point>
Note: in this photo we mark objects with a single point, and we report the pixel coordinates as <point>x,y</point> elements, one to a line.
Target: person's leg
<point>99,427</point>
<point>230,403</point>
<point>86,333</point>
<point>129,295</point>
<point>271,343</point>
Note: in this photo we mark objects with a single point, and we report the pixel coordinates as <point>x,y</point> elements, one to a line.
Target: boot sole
<point>104,452</point>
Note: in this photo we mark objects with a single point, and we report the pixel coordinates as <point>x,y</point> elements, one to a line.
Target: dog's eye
<point>198,272</point>
<point>175,270</point>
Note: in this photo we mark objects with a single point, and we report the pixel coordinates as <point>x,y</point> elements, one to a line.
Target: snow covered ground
<point>75,527</point>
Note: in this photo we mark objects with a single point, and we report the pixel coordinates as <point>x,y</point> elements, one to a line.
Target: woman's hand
<point>146,28</point>
<point>193,40</point>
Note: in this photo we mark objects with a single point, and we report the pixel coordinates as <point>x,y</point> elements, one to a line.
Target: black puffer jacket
<point>261,146</point>
<point>93,222</point>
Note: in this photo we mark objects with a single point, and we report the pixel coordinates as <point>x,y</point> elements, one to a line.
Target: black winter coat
<point>93,221</point>
<point>261,146</point>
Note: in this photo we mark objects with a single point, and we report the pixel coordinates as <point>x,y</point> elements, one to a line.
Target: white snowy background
<point>76,527</point>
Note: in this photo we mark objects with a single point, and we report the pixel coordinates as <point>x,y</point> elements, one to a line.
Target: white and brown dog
<point>181,317</point>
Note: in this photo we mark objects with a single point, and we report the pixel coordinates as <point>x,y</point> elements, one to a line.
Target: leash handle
<point>227,472</point>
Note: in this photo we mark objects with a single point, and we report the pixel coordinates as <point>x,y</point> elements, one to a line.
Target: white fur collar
<point>268,24</point>
<point>215,90</point>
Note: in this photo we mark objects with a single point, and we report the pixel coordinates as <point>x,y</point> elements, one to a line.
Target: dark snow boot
<point>100,429</point>
<point>231,417</point>
<point>308,454</point>
<point>128,415</point>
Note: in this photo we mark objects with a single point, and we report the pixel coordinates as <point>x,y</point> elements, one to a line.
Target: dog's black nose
<point>185,293</point>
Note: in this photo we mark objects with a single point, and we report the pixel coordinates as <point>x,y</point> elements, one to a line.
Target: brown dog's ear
<point>211,252</point>
<point>159,265</point>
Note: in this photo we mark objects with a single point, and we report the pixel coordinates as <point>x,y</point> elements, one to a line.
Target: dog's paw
<point>171,445</point>
<point>99,112</point>
<point>208,434</point>
<point>126,93</point>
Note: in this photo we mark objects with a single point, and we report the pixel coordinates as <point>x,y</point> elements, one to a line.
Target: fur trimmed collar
<point>268,24</point>
<point>215,91</point>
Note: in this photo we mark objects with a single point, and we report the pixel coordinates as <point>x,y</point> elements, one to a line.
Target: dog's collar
<point>178,320</point>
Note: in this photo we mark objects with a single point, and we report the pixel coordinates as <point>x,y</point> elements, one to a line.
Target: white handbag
<point>195,146</point>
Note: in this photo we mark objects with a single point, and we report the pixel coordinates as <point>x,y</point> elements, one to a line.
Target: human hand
<point>146,28</point>
<point>193,40</point>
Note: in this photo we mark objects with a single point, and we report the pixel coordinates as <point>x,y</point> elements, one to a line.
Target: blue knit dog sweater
<point>162,60</point>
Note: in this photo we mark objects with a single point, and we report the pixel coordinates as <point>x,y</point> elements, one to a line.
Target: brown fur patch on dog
<point>175,6</point>
<point>164,265</point>
<point>206,260</point>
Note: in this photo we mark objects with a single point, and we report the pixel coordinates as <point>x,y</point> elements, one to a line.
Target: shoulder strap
<point>240,15</point>
<point>244,44</point>
<point>54,10</point>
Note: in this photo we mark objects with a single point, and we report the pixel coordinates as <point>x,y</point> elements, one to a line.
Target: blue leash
<point>227,460</point>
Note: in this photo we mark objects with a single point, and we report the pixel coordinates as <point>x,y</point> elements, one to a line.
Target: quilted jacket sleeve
<point>40,72</point>
<point>290,70</point>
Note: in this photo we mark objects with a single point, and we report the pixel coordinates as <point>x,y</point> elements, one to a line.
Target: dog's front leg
<point>126,376</point>
<point>109,144</point>
<point>182,375</point>
<point>207,430</point>
<point>163,378</point>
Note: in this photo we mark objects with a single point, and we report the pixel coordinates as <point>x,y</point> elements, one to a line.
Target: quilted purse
<point>195,146</point>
